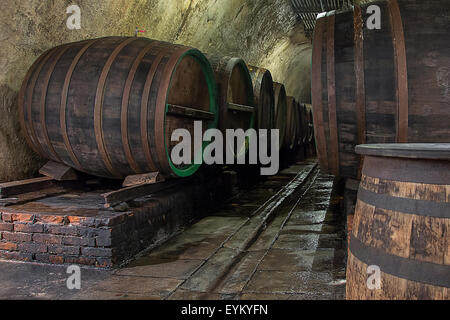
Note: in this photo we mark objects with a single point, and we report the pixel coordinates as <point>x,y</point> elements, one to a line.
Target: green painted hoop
<point>212,89</point>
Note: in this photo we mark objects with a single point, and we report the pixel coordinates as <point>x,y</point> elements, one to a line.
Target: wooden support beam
<point>116,197</point>
<point>9,189</point>
<point>189,112</point>
<point>32,196</point>
<point>145,178</point>
<point>58,171</point>
<point>240,107</point>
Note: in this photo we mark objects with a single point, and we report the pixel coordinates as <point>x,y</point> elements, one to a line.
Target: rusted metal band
<point>160,107</point>
<point>22,101</point>
<point>30,91</point>
<point>413,270</point>
<point>124,108</point>
<point>144,111</point>
<point>316,87</point>
<point>360,93</point>
<point>64,93</point>
<point>401,69</point>
<point>98,107</point>
<point>331,89</point>
<point>425,208</point>
<point>54,155</point>
<point>409,190</point>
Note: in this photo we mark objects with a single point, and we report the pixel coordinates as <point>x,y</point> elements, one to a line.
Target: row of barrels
<point>109,106</point>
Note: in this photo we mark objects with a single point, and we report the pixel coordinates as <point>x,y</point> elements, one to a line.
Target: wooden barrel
<point>311,146</point>
<point>402,223</point>
<point>108,106</point>
<point>280,103</point>
<point>304,124</point>
<point>310,125</point>
<point>380,85</point>
<point>291,125</point>
<point>299,125</point>
<point>236,99</point>
<point>264,97</point>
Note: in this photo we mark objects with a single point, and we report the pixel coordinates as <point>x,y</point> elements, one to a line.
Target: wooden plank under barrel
<point>264,97</point>
<point>380,85</point>
<point>108,106</point>
<point>402,223</point>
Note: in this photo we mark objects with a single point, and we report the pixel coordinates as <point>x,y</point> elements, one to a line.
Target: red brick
<point>50,219</point>
<point>16,255</point>
<point>67,250</point>
<point>64,230</point>
<point>32,247</point>
<point>10,246</point>
<point>17,236</point>
<point>17,217</point>
<point>104,263</point>
<point>47,238</point>
<point>77,241</point>
<point>42,257</point>
<point>80,260</point>
<point>103,241</point>
<point>6,226</point>
<point>76,220</point>
<point>49,258</point>
<point>96,252</point>
<point>87,232</point>
<point>27,227</point>
<point>56,259</point>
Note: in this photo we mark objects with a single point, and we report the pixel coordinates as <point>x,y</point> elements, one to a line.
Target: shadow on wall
<point>17,161</point>
<point>263,32</point>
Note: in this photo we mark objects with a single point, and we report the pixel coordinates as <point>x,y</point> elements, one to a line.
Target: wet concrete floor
<point>282,239</point>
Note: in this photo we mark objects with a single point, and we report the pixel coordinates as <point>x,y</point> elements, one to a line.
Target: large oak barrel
<point>401,224</point>
<point>291,125</point>
<point>382,85</point>
<point>280,103</point>
<point>304,124</point>
<point>236,99</point>
<point>264,97</point>
<point>310,125</point>
<point>302,130</point>
<point>108,106</point>
<point>299,129</point>
<point>310,141</point>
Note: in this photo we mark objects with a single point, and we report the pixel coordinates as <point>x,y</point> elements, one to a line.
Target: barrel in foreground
<point>108,106</point>
<point>401,228</point>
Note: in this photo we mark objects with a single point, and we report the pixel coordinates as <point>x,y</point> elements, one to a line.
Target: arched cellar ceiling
<point>307,10</point>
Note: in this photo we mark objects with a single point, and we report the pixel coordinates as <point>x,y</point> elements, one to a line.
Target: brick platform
<point>73,227</point>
